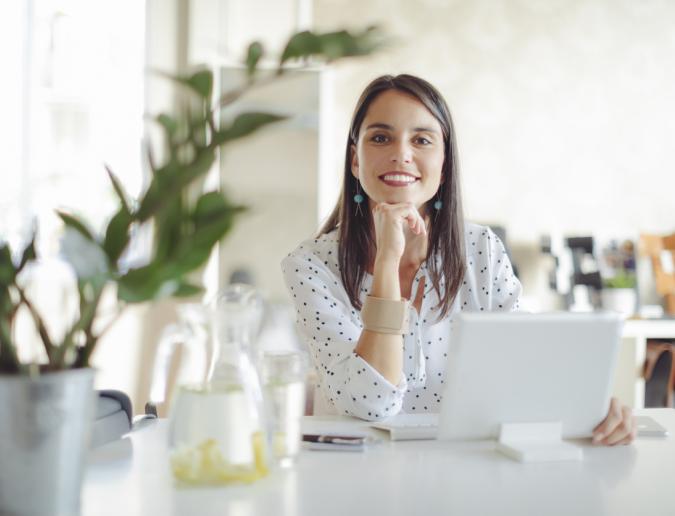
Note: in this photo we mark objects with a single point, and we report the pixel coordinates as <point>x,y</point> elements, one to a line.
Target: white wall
<point>276,174</point>
<point>564,109</point>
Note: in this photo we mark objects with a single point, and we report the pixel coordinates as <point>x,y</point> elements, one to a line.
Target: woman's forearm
<point>384,351</point>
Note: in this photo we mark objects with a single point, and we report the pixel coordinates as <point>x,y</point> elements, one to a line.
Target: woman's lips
<point>397,179</point>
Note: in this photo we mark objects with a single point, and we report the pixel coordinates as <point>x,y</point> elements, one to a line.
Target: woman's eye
<point>422,140</point>
<point>379,138</point>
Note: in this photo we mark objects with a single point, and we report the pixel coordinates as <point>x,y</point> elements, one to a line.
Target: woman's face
<point>399,155</point>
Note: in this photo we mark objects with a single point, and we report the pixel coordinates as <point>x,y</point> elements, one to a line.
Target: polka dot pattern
<point>331,327</point>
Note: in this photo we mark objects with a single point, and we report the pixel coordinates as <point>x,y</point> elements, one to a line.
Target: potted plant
<point>619,293</point>
<point>46,409</point>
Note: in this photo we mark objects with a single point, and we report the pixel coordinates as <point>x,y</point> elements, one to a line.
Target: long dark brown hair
<point>446,236</point>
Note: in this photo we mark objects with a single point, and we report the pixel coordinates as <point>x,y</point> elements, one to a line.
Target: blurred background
<point>563,108</point>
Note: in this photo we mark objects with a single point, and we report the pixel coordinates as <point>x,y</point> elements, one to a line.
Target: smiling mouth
<point>398,179</point>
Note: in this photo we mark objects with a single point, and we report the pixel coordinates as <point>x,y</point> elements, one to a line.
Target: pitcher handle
<point>172,336</point>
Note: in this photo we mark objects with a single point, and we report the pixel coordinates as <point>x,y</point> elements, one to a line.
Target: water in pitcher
<point>217,438</point>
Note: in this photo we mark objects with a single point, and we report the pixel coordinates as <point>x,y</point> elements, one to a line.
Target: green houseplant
<point>49,405</point>
<point>619,293</point>
<point>623,279</point>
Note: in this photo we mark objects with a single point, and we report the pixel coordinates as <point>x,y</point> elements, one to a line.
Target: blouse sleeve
<point>506,288</point>
<point>331,327</point>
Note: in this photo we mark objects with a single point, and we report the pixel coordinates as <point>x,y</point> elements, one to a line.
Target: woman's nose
<point>401,153</point>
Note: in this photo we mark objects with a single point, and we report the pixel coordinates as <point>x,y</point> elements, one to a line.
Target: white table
<point>131,477</point>
<point>629,385</point>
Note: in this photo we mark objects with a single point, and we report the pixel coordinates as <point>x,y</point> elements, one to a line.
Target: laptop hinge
<point>536,442</point>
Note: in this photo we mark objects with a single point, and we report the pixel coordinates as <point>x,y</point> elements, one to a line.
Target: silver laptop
<point>521,368</point>
<point>529,368</point>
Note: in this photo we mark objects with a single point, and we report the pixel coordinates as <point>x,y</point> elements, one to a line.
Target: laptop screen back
<point>528,368</point>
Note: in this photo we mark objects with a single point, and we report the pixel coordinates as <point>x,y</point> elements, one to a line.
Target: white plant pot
<point>621,300</point>
<point>45,425</point>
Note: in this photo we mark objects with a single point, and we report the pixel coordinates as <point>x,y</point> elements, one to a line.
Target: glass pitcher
<point>191,337</point>
<point>216,426</point>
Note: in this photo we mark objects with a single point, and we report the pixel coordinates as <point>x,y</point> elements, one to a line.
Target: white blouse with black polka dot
<point>331,326</point>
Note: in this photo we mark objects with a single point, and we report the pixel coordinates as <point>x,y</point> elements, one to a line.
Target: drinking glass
<point>283,376</point>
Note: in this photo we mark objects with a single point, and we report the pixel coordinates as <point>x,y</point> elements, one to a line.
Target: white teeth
<point>400,178</point>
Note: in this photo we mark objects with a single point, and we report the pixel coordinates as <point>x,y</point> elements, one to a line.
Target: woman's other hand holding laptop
<point>617,428</point>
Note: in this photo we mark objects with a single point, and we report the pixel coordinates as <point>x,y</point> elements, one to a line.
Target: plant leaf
<point>28,254</point>
<point>85,256</point>
<point>170,181</point>
<point>153,282</point>
<point>7,269</point>
<point>117,235</point>
<point>214,208</point>
<point>119,190</point>
<point>170,221</point>
<point>201,82</point>
<point>209,203</point>
<point>211,219</point>
<point>332,45</point>
<point>245,124</point>
<point>301,45</point>
<point>140,284</point>
<point>78,225</point>
<point>253,55</point>
<point>187,290</point>
<point>6,304</point>
<point>169,124</point>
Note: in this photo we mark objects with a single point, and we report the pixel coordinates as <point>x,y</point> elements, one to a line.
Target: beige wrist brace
<point>385,315</point>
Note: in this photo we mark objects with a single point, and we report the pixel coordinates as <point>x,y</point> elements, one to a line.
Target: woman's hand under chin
<point>391,222</point>
<point>617,428</point>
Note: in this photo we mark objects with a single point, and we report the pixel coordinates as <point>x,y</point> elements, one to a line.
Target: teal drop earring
<point>438,204</point>
<point>358,199</point>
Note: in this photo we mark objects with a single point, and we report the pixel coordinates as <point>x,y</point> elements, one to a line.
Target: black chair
<point>113,417</point>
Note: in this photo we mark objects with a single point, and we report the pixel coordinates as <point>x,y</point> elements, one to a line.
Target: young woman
<point>396,234</point>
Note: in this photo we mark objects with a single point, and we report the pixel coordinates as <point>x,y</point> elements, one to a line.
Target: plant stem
<point>39,324</point>
<point>232,95</point>
<point>9,361</point>
<point>87,315</point>
<point>84,353</point>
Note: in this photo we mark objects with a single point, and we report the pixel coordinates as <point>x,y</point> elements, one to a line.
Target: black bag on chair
<point>658,371</point>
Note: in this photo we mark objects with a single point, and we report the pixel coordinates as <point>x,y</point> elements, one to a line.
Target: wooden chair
<point>659,370</point>
<point>661,250</point>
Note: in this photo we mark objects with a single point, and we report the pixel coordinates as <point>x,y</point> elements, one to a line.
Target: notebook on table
<point>405,427</point>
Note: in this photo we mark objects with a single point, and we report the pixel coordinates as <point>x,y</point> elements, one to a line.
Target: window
<point>73,100</point>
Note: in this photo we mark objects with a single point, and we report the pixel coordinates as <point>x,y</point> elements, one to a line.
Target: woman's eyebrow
<point>380,125</point>
<point>425,130</point>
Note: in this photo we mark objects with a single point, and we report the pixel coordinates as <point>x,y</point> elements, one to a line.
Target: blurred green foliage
<point>185,229</point>
<point>621,280</point>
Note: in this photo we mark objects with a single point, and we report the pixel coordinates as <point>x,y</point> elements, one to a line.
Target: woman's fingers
<point>412,216</point>
<point>404,211</point>
<point>617,428</point>
<point>390,221</point>
<point>624,431</point>
<point>414,222</point>
<point>629,439</point>
<point>609,423</point>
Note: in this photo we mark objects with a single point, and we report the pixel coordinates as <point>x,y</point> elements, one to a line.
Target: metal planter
<point>45,425</point>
